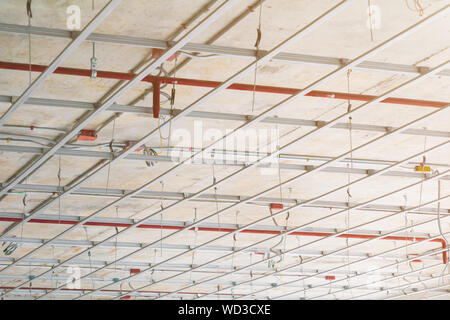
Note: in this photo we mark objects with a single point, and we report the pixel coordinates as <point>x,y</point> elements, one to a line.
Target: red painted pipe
<point>254,231</point>
<point>156,97</point>
<point>213,84</point>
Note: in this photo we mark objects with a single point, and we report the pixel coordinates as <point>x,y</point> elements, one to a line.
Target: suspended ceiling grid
<point>391,275</point>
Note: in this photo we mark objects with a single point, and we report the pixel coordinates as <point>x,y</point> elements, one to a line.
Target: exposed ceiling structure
<point>224,149</point>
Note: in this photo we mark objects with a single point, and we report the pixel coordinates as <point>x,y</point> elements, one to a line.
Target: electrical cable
<point>29,15</point>
<point>257,43</point>
<point>195,242</point>
<point>115,245</point>
<point>417,7</point>
<point>89,257</point>
<point>172,104</point>
<point>369,9</point>
<point>233,255</point>
<point>351,165</point>
<point>440,231</point>
<point>251,274</point>
<point>59,188</point>
<point>12,136</point>
<point>149,152</point>
<point>93,58</point>
<point>215,192</point>
<point>160,136</point>
<point>161,217</point>
<point>112,152</point>
<point>196,55</point>
<point>420,196</point>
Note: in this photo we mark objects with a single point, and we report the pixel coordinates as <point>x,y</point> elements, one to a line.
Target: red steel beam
<point>254,231</point>
<point>213,84</point>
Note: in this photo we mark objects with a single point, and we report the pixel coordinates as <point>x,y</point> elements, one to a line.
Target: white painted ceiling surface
<point>346,36</point>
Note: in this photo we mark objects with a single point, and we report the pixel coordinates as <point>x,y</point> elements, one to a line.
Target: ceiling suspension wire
<point>302,273</point>
<point>350,168</point>
<point>53,271</point>
<point>112,153</point>
<point>405,197</point>
<point>215,192</point>
<point>168,99</point>
<point>93,58</point>
<point>150,264</point>
<point>29,15</point>
<point>232,257</point>
<point>440,231</point>
<point>14,246</point>
<point>161,138</point>
<point>59,189</point>
<point>90,260</point>
<point>417,7</point>
<point>161,217</point>
<point>11,246</point>
<point>257,43</point>
<point>195,243</point>
<point>172,105</point>
<point>407,241</point>
<point>283,238</point>
<point>369,10</point>
<point>272,263</point>
<point>30,276</point>
<point>251,275</point>
<point>420,196</point>
<point>115,245</point>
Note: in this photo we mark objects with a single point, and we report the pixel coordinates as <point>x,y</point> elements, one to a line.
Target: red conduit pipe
<point>213,84</point>
<point>156,97</point>
<point>254,231</point>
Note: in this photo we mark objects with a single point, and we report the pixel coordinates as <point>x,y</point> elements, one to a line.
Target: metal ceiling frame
<point>103,105</point>
<point>347,264</point>
<point>232,52</point>
<point>269,217</point>
<point>90,27</point>
<point>365,259</point>
<point>389,277</point>
<point>216,162</point>
<point>167,195</point>
<point>319,126</point>
<point>158,293</point>
<point>383,289</point>
<point>381,46</point>
<point>96,169</point>
<point>224,85</point>
<point>218,116</point>
<point>330,216</point>
<point>286,209</point>
<point>421,291</point>
<point>175,247</point>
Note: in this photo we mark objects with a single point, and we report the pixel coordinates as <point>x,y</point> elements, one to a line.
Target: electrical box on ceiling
<point>276,206</point>
<point>423,169</point>
<point>156,53</point>
<point>87,135</point>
